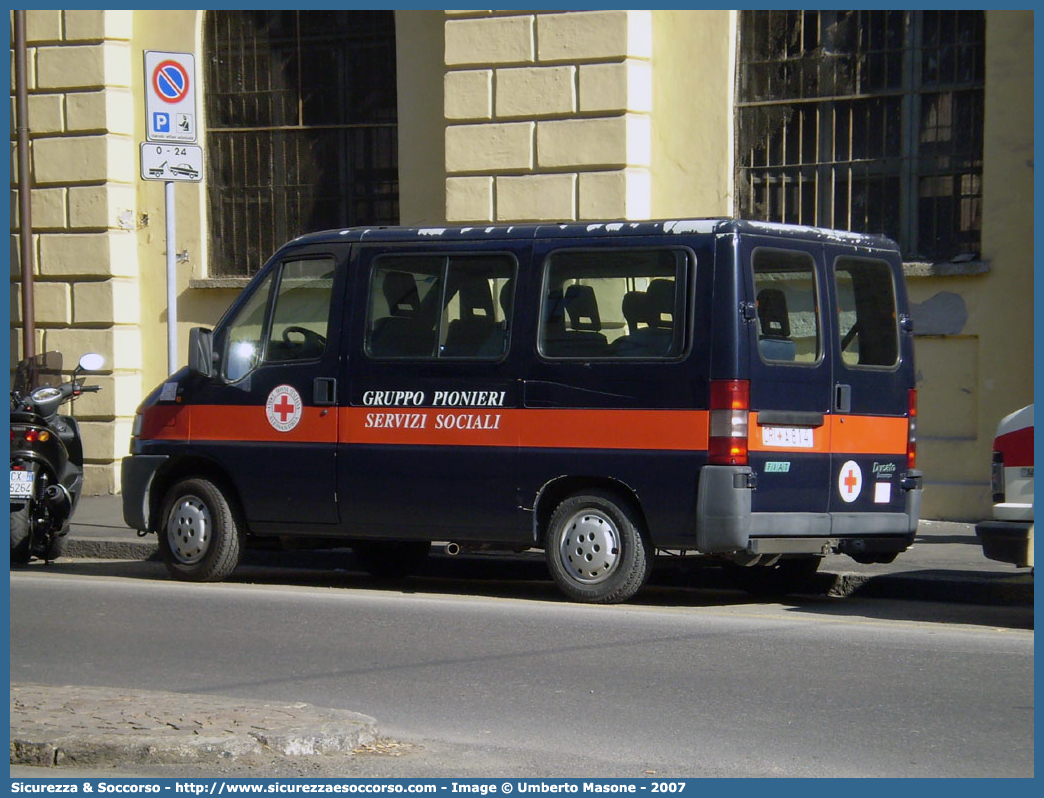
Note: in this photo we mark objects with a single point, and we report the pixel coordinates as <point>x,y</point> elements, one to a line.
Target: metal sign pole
<point>170,154</point>
<point>172,283</point>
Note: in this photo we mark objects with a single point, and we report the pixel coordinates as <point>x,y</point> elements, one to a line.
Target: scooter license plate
<point>21,484</point>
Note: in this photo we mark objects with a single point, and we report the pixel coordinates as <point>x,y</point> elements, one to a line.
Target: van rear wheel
<point>596,549</point>
<point>200,540</point>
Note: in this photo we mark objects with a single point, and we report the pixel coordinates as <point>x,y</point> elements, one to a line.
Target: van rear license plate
<point>21,484</point>
<point>790,437</point>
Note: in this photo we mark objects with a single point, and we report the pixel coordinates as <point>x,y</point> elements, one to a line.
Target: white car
<point>1008,537</point>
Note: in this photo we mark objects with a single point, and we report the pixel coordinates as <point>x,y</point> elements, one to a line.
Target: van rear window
<point>787,302</point>
<point>614,304</point>
<point>867,326</point>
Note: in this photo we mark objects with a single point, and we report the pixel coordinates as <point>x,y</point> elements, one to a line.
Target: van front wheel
<point>200,540</point>
<point>596,549</point>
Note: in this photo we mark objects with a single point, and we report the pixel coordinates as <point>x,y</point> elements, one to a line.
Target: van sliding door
<point>428,445</point>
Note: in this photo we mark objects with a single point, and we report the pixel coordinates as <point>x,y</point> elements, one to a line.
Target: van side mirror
<point>201,351</point>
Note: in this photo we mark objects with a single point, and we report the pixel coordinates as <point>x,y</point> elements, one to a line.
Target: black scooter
<point>46,455</point>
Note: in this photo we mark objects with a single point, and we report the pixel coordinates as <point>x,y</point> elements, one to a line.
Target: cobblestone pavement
<point>90,726</point>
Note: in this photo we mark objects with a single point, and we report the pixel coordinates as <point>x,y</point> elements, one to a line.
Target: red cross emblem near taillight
<point>850,481</point>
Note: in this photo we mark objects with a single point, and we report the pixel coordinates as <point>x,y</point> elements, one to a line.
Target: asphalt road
<point>519,682</point>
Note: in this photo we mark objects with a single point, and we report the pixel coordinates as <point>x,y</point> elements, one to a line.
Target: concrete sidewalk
<point>945,563</point>
<point>94,726</point>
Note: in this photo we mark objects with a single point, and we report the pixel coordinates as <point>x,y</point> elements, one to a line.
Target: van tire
<point>596,549</point>
<point>199,539</point>
<point>391,559</point>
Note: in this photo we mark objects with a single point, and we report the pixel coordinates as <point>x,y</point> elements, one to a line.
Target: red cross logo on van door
<point>850,481</point>
<point>283,408</point>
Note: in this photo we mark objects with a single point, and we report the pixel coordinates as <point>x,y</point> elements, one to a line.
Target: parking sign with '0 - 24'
<point>171,162</point>
<point>170,97</point>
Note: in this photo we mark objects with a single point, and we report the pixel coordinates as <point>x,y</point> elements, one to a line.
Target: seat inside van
<point>574,325</point>
<point>396,335</point>
<point>476,333</point>
<point>774,342</point>
<point>650,321</point>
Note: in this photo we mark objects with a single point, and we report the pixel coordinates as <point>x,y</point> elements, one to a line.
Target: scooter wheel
<point>200,540</point>
<point>54,551</point>
<point>20,534</point>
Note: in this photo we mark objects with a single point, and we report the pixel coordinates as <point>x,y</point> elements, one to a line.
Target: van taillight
<point>911,441</point>
<point>997,478</point>
<point>729,413</point>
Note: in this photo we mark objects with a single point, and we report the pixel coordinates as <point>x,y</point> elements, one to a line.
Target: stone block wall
<point>548,115</point>
<point>83,161</point>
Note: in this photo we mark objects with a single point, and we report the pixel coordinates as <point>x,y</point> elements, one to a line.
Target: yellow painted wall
<point>81,151</point>
<point>693,76</point>
<point>982,369</point>
<point>419,43</point>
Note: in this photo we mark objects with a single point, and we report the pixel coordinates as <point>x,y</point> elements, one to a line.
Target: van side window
<point>432,307</point>
<point>298,327</point>
<point>614,304</point>
<point>787,302</point>
<point>867,312</point>
<point>245,334</point>
<point>302,311</point>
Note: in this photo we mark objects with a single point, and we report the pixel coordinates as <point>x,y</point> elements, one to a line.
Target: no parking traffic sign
<point>170,96</point>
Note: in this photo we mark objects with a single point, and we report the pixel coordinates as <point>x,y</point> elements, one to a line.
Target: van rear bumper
<point>726,524</point>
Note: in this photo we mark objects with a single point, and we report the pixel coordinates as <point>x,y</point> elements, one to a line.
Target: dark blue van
<point>739,390</point>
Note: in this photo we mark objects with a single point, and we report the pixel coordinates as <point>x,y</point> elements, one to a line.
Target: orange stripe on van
<point>167,422</point>
<point>843,434</point>
<point>868,434</point>
<point>532,428</point>
<point>235,423</point>
<point>426,426</point>
<point>676,430</point>
<point>652,430</point>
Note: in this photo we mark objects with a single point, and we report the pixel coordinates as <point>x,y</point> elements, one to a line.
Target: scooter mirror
<point>92,362</point>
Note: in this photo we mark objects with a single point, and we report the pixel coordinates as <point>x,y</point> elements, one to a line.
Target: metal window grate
<point>302,129</point>
<point>864,120</point>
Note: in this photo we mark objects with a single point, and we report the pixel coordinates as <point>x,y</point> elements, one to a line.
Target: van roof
<point>711,226</point>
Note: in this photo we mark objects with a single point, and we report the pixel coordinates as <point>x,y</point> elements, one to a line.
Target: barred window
<point>869,121</point>
<point>301,128</point>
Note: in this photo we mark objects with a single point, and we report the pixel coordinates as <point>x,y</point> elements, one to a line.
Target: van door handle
<point>324,391</point>
<point>842,398</point>
<point>789,418</point>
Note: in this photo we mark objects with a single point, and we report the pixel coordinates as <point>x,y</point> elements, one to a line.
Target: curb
<point>962,588</point>
<point>102,549</point>
<point>76,726</point>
